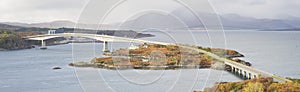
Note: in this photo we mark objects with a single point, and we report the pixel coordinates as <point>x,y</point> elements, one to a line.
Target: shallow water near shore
<point>30,70</point>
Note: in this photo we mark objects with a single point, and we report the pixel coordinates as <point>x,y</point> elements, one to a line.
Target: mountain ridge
<point>229,21</point>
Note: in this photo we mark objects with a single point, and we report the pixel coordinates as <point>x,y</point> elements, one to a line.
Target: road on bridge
<point>241,66</point>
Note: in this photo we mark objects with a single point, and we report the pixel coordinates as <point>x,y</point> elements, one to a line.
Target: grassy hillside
<point>11,40</point>
<point>256,85</point>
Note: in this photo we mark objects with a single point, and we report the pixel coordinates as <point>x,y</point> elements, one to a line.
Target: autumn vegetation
<point>256,85</point>
<point>10,40</point>
<point>163,55</point>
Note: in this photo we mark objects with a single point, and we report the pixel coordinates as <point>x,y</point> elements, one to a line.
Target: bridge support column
<point>43,45</point>
<point>245,74</point>
<point>249,76</point>
<point>241,72</point>
<point>105,46</point>
<point>237,71</point>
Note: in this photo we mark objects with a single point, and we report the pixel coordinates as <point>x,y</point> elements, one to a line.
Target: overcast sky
<point>33,11</point>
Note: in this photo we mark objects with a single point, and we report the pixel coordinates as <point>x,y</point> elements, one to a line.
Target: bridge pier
<point>43,45</point>
<point>105,46</point>
<point>249,76</point>
<point>241,72</point>
<point>245,74</point>
<point>236,71</point>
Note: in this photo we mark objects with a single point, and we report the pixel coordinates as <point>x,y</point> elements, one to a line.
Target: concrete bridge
<point>104,38</point>
<point>236,67</point>
<point>241,69</point>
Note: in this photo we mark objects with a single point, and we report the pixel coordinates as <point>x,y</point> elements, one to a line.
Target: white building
<point>51,31</point>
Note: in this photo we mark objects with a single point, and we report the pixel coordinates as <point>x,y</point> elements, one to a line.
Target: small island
<point>156,56</point>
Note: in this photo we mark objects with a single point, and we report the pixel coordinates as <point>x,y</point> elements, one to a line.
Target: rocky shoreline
<point>105,66</point>
<point>13,40</point>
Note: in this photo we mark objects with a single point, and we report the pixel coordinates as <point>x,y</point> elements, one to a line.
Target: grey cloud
<point>60,4</point>
<point>50,10</point>
<point>275,9</point>
<point>40,10</point>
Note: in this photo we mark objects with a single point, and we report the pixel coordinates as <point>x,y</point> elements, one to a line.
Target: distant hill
<point>153,21</point>
<point>59,24</point>
<point>54,24</point>
<point>9,27</point>
<point>177,19</point>
<point>24,28</point>
<point>233,21</point>
<point>229,21</point>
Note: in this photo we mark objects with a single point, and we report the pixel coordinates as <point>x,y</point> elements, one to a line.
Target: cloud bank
<point>32,11</point>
